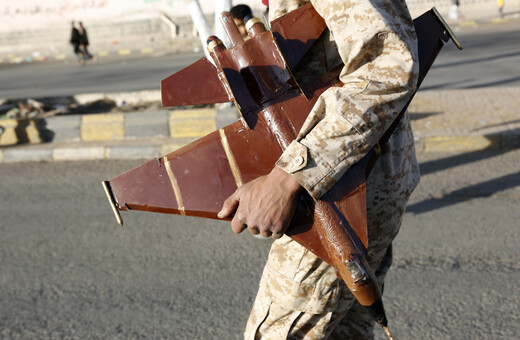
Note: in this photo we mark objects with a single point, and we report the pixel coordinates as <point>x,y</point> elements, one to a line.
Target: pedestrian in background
<point>75,40</point>
<point>83,40</point>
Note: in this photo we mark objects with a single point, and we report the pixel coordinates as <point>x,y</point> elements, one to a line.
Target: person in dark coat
<point>83,40</point>
<point>75,40</point>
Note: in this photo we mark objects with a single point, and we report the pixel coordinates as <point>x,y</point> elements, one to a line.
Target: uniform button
<point>298,160</point>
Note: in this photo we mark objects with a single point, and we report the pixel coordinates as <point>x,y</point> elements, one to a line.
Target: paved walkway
<point>469,119</point>
<point>470,15</point>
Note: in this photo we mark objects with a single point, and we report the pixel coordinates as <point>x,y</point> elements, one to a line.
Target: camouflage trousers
<point>301,297</point>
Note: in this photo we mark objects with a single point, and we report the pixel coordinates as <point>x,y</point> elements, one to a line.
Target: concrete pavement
<point>443,121</point>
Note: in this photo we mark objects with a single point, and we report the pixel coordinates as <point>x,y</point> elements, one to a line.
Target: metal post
<point>201,24</point>
<point>221,6</point>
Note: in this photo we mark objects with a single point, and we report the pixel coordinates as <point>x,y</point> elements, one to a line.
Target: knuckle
<point>240,216</point>
<point>277,236</point>
<point>277,228</point>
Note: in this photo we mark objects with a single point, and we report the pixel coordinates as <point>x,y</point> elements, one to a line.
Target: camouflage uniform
<point>300,296</point>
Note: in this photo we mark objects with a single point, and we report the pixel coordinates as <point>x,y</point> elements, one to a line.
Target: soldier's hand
<point>265,205</point>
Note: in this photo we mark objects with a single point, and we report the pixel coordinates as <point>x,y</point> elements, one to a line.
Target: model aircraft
<point>256,74</point>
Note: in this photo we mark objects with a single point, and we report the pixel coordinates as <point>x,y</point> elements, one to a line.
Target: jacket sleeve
<point>377,44</point>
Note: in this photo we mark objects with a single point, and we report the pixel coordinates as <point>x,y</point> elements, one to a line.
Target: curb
<point>497,141</point>
<point>44,153</point>
<point>139,148</point>
<point>30,58</point>
<point>180,46</point>
<point>133,135</point>
<point>148,134</point>
<point>188,123</point>
<point>474,23</point>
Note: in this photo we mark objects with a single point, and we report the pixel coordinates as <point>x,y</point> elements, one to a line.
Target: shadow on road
<point>458,160</point>
<point>422,115</point>
<point>466,61</point>
<point>484,189</point>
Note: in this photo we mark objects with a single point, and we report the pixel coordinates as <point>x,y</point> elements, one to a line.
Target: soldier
<point>300,296</point>
<point>241,13</point>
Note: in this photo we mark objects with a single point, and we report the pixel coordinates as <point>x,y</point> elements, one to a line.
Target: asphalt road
<point>109,74</point>
<point>491,57</point>
<point>68,271</point>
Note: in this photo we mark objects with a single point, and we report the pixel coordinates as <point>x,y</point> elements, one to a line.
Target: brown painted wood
<point>183,87</point>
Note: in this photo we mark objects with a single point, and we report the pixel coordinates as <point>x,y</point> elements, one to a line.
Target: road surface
<point>67,270</point>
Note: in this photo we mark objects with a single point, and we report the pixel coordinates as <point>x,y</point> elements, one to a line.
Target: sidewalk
<point>443,121</point>
<point>471,15</point>
<point>466,120</point>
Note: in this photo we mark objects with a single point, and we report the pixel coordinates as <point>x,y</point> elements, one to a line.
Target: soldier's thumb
<point>229,207</point>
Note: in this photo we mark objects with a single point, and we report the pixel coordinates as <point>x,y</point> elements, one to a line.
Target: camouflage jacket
<point>376,42</point>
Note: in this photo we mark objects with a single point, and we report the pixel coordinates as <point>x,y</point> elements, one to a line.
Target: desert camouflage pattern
<point>300,296</point>
<point>376,42</point>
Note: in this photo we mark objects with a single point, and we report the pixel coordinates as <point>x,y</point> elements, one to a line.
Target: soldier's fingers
<point>267,233</point>
<point>237,225</point>
<point>229,206</point>
<point>253,230</point>
<point>276,235</point>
